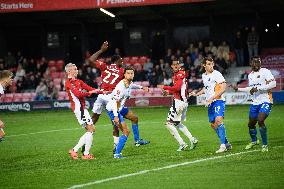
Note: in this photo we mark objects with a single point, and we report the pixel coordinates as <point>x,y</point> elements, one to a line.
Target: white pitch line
<point>162,168</point>
<point>145,122</point>
<point>41,132</point>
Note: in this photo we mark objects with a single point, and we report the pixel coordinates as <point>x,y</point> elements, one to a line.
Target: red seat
<point>51,63</point>
<point>26,97</point>
<point>141,92</point>
<point>133,60</point>
<point>17,97</point>
<point>142,59</point>
<point>54,75</point>
<point>126,60</point>
<point>58,86</point>
<point>33,95</point>
<point>59,65</point>
<point>134,92</point>
<point>62,75</point>
<point>8,97</point>
<point>62,95</point>
<point>137,66</point>
<point>145,83</point>
<point>102,60</point>
<point>57,81</point>
<point>137,82</point>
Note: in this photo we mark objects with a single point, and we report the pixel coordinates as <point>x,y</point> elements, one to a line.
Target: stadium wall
<point>231,99</point>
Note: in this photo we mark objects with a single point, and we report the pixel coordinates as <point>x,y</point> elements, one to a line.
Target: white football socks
<point>115,140</point>
<point>88,141</point>
<point>175,133</point>
<point>80,143</point>
<point>185,131</point>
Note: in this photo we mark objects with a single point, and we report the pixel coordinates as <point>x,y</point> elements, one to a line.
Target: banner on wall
<point>231,98</point>
<point>52,5</point>
<point>65,104</point>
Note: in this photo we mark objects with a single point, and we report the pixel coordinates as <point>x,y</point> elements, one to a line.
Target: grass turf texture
<point>35,152</point>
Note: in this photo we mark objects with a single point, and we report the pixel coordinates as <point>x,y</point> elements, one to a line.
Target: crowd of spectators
<point>34,75</point>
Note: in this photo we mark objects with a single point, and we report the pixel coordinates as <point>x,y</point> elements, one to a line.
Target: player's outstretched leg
<point>128,114</point>
<point>220,129</point>
<point>115,134</point>
<point>182,145</point>
<point>185,131</point>
<point>122,140</point>
<point>88,142</point>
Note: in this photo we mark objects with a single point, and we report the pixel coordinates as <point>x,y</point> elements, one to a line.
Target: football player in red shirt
<point>178,109</point>
<point>5,81</point>
<point>111,75</point>
<point>75,89</point>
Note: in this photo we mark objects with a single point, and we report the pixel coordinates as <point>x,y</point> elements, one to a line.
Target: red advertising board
<point>51,5</point>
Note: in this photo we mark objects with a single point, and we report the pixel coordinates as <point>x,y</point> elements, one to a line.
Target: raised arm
<point>95,56</point>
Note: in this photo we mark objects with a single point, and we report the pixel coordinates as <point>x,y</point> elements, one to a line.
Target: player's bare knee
<point>213,125</point>
<point>135,119</point>
<point>251,125</point>
<point>126,132</point>
<point>115,132</point>
<point>218,122</point>
<point>2,133</point>
<point>261,123</point>
<point>2,125</point>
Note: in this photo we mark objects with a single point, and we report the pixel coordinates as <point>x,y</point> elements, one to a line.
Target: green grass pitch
<point>35,153</point>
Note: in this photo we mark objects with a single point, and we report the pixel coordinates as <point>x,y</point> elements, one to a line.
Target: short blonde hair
<point>68,66</point>
<point>5,74</point>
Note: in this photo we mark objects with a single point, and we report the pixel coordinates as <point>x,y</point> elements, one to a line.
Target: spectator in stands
<point>194,55</point>
<point>162,64</point>
<point>139,75</point>
<point>31,68</point>
<point>148,66</point>
<point>153,79</point>
<point>30,83</point>
<point>212,48</point>
<point>178,53</point>
<point>43,65</point>
<point>117,51</point>
<point>225,47</point>
<point>81,76</point>
<point>187,63</point>
<point>167,80</point>
<point>206,51</point>
<point>168,70</point>
<point>239,48</point>
<point>252,42</point>
<point>198,61</point>
<point>41,91</point>
<point>20,73</point>
<point>191,48</point>
<point>200,48</point>
<point>20,86</point>
<point>52,91</point>
<point>168,56</point>
<point>19,58</point>
<point>194,85</point>
<point>10,61</point>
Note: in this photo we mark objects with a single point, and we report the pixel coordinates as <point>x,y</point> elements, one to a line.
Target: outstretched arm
<point>200,92</point>
<point>95,56</point>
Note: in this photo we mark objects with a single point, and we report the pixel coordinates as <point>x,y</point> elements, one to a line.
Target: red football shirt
<point>74,88</point>
<point>111,75</point>
<point>180,86</point>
